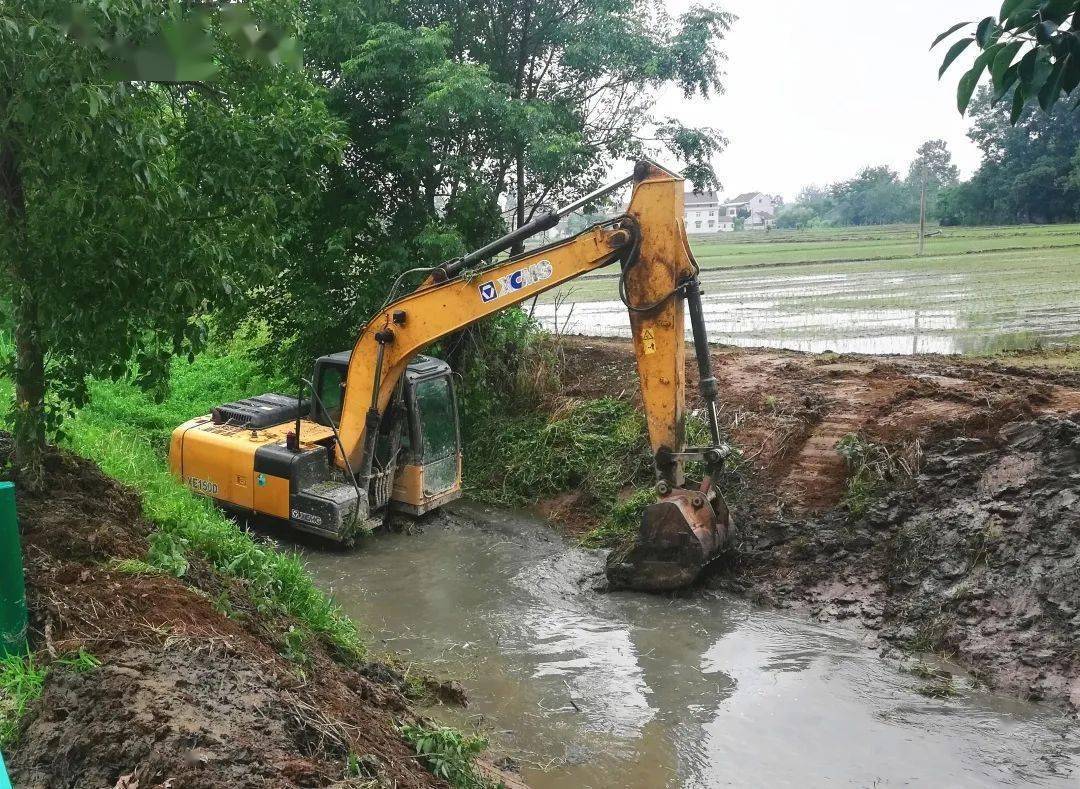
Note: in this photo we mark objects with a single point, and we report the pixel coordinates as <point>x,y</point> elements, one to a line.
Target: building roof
<point>704,198</point>
<point>745,197</point>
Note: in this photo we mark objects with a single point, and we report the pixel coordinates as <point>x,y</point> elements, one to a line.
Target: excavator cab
<point>418,451</point>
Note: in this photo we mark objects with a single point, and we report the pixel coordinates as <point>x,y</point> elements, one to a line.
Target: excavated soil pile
<point>787,410</point>
<point>979,558</point>
<point>194,688</point>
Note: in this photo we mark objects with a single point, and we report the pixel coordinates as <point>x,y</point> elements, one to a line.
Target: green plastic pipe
<point>5,782</point>
<point>12,584</point>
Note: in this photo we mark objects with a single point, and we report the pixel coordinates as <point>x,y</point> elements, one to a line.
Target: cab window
<point>438,423</point>
<point>332,391</point>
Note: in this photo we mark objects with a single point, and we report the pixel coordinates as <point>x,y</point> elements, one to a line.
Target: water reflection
<point>865,308</point>
<point>632,691</point>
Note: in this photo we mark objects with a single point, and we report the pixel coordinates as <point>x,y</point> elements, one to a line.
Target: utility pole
<point>922,216</point>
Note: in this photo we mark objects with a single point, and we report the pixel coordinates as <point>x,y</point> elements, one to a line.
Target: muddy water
<point>595,690</point>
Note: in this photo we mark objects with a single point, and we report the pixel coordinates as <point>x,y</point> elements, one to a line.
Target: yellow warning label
<point>648,342</point>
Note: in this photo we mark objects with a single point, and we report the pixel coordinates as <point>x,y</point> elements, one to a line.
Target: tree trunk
<point>29,392</point>
<point>519,78</point>
<point>29,348</point>
<point>520,189</point>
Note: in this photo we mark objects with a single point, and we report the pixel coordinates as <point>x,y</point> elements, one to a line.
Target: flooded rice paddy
<point>967,295</point>
<point>620,690</point>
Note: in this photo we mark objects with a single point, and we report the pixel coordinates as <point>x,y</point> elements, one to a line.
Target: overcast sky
<point>817,90</point>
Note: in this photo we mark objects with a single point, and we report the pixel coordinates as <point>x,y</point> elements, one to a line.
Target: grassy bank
<point>126,432</point>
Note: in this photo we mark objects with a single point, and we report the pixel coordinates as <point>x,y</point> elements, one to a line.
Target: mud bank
<point>977,559</point>
<point>787,410</point>
<point>974,557</point>
<point>197,687</point>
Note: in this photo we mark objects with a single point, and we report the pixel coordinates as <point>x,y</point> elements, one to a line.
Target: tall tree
<point>452,106</point>
<point>875,196</point>
<point>1027,172</point>
<point>586,73</point>
<point>130,207</point>
<point>933,161</point>
<point>932,169</point>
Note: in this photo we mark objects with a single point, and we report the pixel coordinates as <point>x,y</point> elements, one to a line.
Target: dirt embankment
<point>196,687</point>
<point>787,410</point>
<point>976,556</point>
<point>979,558</point>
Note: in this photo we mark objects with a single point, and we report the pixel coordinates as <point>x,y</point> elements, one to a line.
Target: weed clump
<point>598,446</point>
<point>449,754</point>
<point>622,521</point>
<point>872,469</point>
<point>22,679</point>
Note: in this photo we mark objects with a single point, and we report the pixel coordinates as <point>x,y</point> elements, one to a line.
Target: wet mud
<point>787,410</point>
<point>976,558</point>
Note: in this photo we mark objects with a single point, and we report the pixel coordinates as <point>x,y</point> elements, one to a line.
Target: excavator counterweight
<point>375,429</point>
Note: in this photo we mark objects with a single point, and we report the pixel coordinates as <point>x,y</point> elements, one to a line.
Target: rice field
<point>974,291</point>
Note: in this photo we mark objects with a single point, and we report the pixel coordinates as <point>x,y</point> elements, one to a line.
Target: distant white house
<point>707,213</point>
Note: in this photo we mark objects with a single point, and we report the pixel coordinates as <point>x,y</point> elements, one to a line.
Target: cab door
<point>430,472</point>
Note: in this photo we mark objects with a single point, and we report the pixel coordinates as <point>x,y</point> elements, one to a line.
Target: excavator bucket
<point>679,536</point>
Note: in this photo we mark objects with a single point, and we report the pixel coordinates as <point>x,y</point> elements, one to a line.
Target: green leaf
<point>1018,105</point>
<point>1072,72</point>
<point>1008,81</point>
<point>984,33</point>
<point>948,33</point>
<point>1019,12</point>
<point>1044,32</point>
<point>1034,69</point>
<point>954,52</point>
<point>1057,11</point>
<point>966,88</point>
<point>1008,8</point>
<point>1002,62</point>
<point>1051,91</point>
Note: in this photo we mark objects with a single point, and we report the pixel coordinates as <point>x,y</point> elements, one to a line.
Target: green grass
<point>126,432</point>
<point>597,446</point>
<point>1064,358</point>
<point>21,681</point>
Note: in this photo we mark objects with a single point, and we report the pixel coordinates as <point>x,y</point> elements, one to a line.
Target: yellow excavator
<point>376,430</point>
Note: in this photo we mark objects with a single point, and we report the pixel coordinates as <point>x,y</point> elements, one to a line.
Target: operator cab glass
<point>434,442</point>
<point>424,411</point>
<point>435,402</point>
<point>331,373</point>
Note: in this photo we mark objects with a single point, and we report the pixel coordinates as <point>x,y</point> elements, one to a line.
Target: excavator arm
<point>658,280</point>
